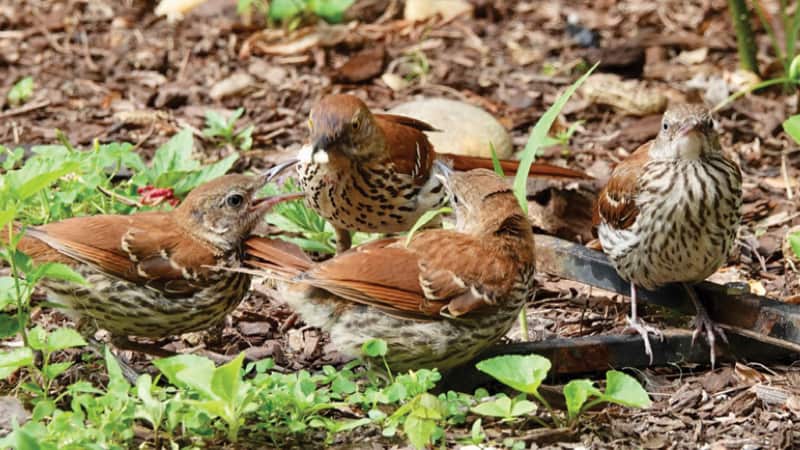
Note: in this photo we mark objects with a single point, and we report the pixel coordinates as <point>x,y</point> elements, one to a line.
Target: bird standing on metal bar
<point>670,213</point>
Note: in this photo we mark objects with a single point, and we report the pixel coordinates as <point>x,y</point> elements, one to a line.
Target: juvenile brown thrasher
<point>670,212</point>
<point>155,274</point>
<point>373,172</point>
<point>438,301</point>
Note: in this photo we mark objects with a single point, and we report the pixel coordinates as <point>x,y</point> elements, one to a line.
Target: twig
<point>785,174</point>
<point>114,196</point>
<point>25,109</point>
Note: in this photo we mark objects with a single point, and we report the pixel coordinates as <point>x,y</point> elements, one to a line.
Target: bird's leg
<point>704,324</point>
<point>343,240</point>
<point>641,327</point>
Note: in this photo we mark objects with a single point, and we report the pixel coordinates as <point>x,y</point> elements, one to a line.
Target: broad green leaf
<point>342,385</point>
<point>427,406</point>
<point>58,271</point>
<point>216,125</point>
<point>190,181</point>
<point>794,67</point>
<point>7,292</point>
<point>285,9</point>
<point>12,360</point>
<point>188,370</point>
<point>522,372</point>
<point>214,408</point>
<point>226,379</point>
<point>174,155</point>
<point>794,242</point>
<point>9,325</point>
<point>151,409</point>
<point>37,338</point>
<point>522,407</point>
<point>43,409</point>
<point>20,92</point>
<point>419,431</point>
<point>538,137</point>
<point>499,407</point>
<point>424,219</point>
<point>340,426</point>
<point>792,127</point>
<point>374,348</point>
<point>330,10</point>
<point>623,389</point>
<point>21,439</point>
<point>43,180</point>
<point>62,338</point>
<point>576,392</point>
<point>7,216</point>
<point>56,369</point>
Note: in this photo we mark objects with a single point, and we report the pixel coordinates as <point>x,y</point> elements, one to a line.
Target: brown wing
<point>421,281</point>
<point>146,248</point>
<point>411,151</point>
<point>616,204</point>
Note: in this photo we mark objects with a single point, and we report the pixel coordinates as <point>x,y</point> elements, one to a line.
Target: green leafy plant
<point>292,11</point>
<point>785,52</point>
<point>526,373</point>
<point>224,130</point>
<point>21,92</point>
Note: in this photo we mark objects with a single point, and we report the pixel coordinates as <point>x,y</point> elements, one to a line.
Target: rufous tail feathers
<point>464,163</point>
<point>282,258</point>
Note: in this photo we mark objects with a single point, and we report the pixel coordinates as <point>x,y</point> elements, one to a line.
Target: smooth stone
<point>465,129</point>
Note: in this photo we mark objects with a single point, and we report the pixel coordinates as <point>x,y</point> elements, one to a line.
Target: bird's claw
<point>704,325</point>
<point>644,329</point>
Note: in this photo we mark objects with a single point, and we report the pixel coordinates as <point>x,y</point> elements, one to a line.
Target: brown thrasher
<point>670,212</point>
<point>155,274</point>
<point>374,172</point>
<point>437,301</point>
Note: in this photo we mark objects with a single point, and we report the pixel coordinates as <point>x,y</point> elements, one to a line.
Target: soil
<point>113,71</point>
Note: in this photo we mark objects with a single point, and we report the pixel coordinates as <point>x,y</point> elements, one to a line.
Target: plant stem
<point>523,323</point>
<point>744,35</point>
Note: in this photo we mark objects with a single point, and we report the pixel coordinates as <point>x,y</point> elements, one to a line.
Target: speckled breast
<point>688,217</point>
<point>125,308</point>
<point>373,199</point>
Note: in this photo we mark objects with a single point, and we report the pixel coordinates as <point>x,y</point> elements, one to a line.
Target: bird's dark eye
<point>665,126</point>
<point>234,200</point>
<point>356,124</point>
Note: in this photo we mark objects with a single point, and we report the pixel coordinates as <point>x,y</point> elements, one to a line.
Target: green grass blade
<point>538,137</point>
<point>424,219</point>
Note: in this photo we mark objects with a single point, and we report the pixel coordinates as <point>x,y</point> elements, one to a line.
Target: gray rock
<point>464,129</point>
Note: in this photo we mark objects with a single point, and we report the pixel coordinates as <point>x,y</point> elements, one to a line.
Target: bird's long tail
<point>280,259</point>
<point>464,163</point>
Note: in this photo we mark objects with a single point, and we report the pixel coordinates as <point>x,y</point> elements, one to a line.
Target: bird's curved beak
<point>689,128</point>
<point>277,169</point>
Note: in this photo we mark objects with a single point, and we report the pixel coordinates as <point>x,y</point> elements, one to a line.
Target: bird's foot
<point>644,330</point>
<point>704,325</point>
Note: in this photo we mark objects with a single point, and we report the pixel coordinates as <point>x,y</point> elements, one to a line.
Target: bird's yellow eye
<point>310,125</point>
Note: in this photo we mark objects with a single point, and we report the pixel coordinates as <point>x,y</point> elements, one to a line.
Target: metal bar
<point>592,354</point>
<point>761,318</point>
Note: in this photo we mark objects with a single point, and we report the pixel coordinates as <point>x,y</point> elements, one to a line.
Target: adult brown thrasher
<point>375,172</point>
<point>670,212</point>
<point>437,301</point>
<point>155,274</point>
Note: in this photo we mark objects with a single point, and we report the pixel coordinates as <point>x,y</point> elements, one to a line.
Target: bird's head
<point>341,125</point>
<point>223,211</point>
<point>687,132</point>
<point>485,206</point>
